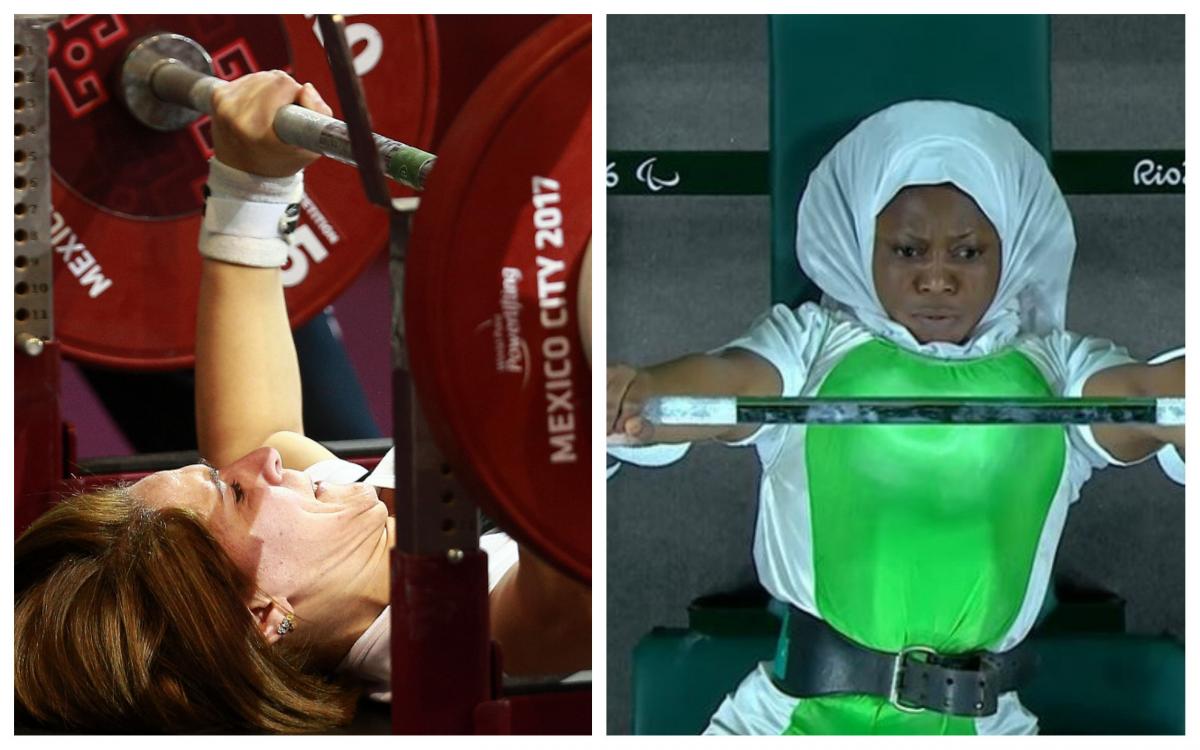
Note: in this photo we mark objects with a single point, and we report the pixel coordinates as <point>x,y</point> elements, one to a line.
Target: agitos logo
<point>645,173</point>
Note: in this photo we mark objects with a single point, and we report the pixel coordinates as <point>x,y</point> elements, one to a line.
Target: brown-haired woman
<point>219,599</point>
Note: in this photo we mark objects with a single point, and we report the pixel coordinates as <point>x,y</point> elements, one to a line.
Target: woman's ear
<point>268,614</point>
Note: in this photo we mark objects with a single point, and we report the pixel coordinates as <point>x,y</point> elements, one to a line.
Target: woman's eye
<point>968,253</point>
<point>905,251</point>
<point>238,494</point>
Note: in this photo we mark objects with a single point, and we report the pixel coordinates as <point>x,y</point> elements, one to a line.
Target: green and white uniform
<point>912,535</point>
<point>941,536</point>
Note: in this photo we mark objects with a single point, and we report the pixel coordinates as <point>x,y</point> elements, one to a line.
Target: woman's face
<point>277,526</point>
<point>936,263</point>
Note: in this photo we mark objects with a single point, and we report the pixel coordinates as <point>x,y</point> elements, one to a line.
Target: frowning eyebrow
<point>917,235</point>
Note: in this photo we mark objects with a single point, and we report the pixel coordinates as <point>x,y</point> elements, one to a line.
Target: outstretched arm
<point>735,372</point>
<point>247,375</point>
<point>247,379</point>
<point>1133,442</point>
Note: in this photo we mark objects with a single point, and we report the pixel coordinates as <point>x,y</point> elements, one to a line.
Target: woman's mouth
<point>937,318</point>
<point>935,325</point>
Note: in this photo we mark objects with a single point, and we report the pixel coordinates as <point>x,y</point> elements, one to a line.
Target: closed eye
<point>238,494</point>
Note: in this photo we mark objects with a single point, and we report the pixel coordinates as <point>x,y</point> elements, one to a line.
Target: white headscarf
<point>928,143</point>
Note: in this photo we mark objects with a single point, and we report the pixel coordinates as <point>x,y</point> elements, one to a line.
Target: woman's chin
<point>924,335</point>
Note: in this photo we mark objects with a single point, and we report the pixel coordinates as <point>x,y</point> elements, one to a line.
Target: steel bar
<point>698,410</point>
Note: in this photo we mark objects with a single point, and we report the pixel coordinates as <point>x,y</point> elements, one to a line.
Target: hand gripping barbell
<point>167,82</point>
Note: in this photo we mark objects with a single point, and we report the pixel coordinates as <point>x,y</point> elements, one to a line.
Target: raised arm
<point>735,372</point>
<point>1133,442</point>
<point>247,376</point>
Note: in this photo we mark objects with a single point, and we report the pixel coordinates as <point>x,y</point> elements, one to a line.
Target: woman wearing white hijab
<point>914,559</point>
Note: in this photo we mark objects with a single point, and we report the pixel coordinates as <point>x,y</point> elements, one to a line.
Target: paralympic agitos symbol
<point>645,173</point>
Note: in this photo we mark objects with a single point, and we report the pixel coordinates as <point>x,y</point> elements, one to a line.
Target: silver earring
<point>287,626</point>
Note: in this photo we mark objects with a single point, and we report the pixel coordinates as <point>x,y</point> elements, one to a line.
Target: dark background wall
<point>689,273</point>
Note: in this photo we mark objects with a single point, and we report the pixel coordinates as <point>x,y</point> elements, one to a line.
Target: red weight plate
<point>490,294</point>
<point>468,48</point>
<point>127,198</point>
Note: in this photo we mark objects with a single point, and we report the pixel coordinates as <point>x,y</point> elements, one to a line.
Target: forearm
<point>734,373</point>
<point>1133,442</point>
<point>247,375</point>
<point>542,619</point>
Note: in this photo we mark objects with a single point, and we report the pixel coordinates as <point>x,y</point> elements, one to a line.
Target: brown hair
<point>130,618</point>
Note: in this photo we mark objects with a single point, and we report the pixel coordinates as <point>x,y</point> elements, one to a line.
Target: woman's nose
<point>263,462</point>
<point>936,278</point>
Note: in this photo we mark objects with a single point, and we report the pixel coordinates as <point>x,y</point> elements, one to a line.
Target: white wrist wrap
<point>1168,456</point>
<point>246,217</point>
<point>243,219</point>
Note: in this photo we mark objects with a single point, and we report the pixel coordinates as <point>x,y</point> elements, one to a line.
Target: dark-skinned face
<point>936,263</point>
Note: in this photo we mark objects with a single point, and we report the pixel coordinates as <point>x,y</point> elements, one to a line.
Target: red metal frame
<point>446,671</point>
<point>38,437</point>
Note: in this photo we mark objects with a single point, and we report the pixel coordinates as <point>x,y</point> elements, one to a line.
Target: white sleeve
<point>1068,360</point>
<point>790,340</point>
<point>656,454</point>
<point>502,554</point>
<point>335,470</point>
<point>384,474</point>
<point>340,471</point>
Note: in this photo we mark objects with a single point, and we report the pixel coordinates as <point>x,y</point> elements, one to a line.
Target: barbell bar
<point>728,410</point>
<point>167,82</point>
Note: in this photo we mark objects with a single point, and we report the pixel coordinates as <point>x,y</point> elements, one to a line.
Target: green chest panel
<point>926,535</point>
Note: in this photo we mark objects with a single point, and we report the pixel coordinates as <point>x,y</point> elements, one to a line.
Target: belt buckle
<point>897,668</point>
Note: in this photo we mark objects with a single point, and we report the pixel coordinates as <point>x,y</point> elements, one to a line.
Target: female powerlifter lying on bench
<point>943,247</point>
<point>224,596</point>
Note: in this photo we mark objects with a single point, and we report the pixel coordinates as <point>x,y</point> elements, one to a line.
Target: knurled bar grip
<point>716,411</point>
<point>176,83</point>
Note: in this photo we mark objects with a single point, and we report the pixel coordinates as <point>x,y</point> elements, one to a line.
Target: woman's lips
<point>939,319</point>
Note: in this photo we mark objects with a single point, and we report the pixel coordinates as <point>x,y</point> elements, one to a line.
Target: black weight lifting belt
<point>821,661</point>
